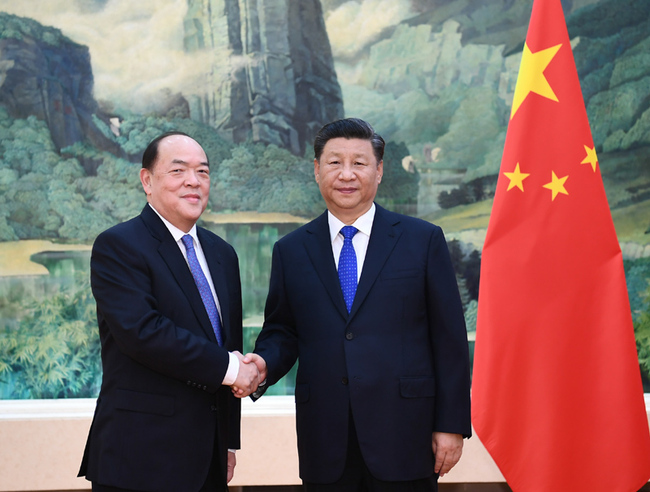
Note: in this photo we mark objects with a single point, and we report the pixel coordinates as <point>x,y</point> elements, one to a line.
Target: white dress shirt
<point>233,364</point>
<point>359,241</point>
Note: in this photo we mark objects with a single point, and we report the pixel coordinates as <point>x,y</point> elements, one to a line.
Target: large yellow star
<point>557,185</point>
<point>516,179</point>
<point>531,76</point>
<point>591,158</point>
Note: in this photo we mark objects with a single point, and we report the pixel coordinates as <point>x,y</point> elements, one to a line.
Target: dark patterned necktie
<point>348,266</point>
<point>204,287</point>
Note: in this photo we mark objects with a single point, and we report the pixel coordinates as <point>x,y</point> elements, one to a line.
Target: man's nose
<point>192,178</point>
<point>347,172</point>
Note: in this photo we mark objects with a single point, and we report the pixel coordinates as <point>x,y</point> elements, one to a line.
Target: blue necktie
<point>348,266</point>
<point>203,286</point>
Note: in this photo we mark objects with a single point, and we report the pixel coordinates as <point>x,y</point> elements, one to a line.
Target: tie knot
<point>187,241</point>
<point>349,231</point>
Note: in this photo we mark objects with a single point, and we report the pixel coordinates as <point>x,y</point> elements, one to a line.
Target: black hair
<point>151,152</point>
<point>349,128</point>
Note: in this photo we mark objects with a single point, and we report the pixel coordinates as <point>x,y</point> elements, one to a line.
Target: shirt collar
<point>363,223</point>
<point>175,231</point>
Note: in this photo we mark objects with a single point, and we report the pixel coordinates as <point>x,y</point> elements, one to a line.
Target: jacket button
<point>213,408</point>
<point>349,336</point>
<point>344,381</point>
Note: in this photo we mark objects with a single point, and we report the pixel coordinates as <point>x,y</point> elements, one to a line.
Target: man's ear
<point>145,179</point>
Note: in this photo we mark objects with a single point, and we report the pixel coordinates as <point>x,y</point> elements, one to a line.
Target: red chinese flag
<point>557,394</point>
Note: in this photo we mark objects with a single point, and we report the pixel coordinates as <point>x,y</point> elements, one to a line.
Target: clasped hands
<point>252,371</point>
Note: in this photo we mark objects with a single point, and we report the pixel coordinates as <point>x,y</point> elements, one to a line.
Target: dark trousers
<point>215,482</point>
<point>357,478</point>
<point>210,486</point>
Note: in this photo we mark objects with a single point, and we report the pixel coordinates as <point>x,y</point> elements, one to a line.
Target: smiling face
<point>178,185</point>
<point>348,175</point>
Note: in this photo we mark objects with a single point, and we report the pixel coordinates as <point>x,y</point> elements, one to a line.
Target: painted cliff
<point>271,75</point>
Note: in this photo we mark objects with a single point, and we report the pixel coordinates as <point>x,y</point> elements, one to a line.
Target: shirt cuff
<point>233,370</point>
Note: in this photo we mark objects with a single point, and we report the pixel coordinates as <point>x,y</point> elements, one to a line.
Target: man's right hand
<point>248,377</point>
<point>259,362</point>
<point>251,363</point>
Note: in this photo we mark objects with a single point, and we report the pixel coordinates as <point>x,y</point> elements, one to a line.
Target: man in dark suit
<point>170,317</point>
<point>382,389</point>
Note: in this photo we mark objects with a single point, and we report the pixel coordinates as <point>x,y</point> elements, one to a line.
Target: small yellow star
<point>591,158</point>
<point>557,185</point>
<point>531,76</point>
<point>516,179</point>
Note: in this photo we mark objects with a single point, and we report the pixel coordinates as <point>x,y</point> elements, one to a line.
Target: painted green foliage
<point>53,352</point>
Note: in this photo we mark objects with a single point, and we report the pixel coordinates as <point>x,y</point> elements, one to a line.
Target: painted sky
<point>354,24</point>
<point>136,48</point>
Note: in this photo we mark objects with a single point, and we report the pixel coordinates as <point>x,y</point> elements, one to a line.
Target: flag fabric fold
<point>557,398</point>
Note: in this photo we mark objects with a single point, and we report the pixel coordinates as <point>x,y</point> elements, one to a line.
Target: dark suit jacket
<point>161,404</point>
<point>398,361</point>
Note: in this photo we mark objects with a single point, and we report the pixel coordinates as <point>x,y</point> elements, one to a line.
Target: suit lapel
<point>383,238</point>
<point>319,249</point>
<point>172,256</point>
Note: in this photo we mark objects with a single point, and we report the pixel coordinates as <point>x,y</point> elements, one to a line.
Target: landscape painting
<point>86,84</point>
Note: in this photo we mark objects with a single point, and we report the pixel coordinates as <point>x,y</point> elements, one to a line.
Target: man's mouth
<point>347,191</point>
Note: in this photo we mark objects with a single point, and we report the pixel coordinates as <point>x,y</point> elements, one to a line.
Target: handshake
<point>252,372</point>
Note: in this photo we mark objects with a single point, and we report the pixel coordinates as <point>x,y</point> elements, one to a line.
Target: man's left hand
<point>447,449</point>
<point>232,461</point>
